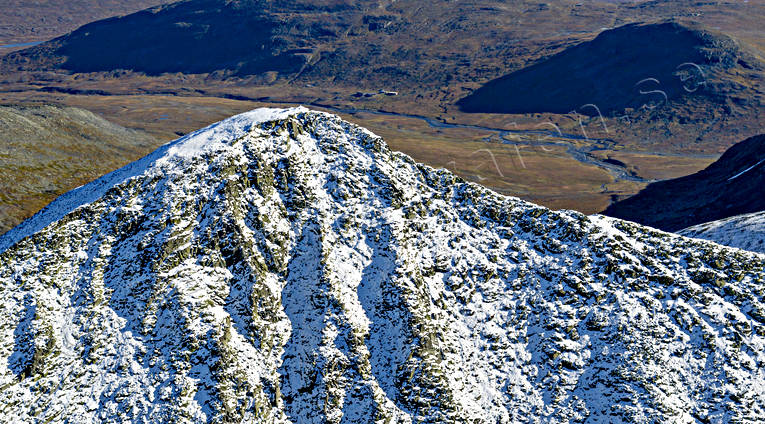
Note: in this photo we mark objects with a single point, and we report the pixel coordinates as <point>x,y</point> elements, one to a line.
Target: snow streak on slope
<point>285,266</point>
<point>744,231</point>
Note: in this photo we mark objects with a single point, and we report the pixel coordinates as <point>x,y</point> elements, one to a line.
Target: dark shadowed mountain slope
<point>733,185</point>
<point>201,36</point>
<point>364,43</point>
<point>285,266</point>
<point>626,67</point>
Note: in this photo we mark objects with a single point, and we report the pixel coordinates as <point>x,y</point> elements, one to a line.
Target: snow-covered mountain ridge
<point>743,231</point>
<point>285,266</point>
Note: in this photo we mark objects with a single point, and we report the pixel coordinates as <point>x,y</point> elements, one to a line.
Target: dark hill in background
<point>733,185</point>
<point>365,44</point>
<point>199,36</point>
<point>608,71</point>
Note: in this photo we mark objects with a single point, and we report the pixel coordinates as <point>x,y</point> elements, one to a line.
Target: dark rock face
<point>626,67</point>
<point>197,36</point>
<point>733,185</point>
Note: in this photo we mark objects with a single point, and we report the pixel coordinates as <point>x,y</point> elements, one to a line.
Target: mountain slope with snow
<point>744,231</point>
<point>286,266</point>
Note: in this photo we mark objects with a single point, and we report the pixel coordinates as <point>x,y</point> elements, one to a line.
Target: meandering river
<point>13,46</point>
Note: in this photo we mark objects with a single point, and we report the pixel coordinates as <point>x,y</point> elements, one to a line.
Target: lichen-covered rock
<point>285,266</point>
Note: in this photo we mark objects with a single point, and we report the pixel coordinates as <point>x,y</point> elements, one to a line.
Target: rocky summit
<point>286,266</point>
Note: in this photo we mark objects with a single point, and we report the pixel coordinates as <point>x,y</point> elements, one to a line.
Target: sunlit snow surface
<point>285,266</point>
<point>744,231</point>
